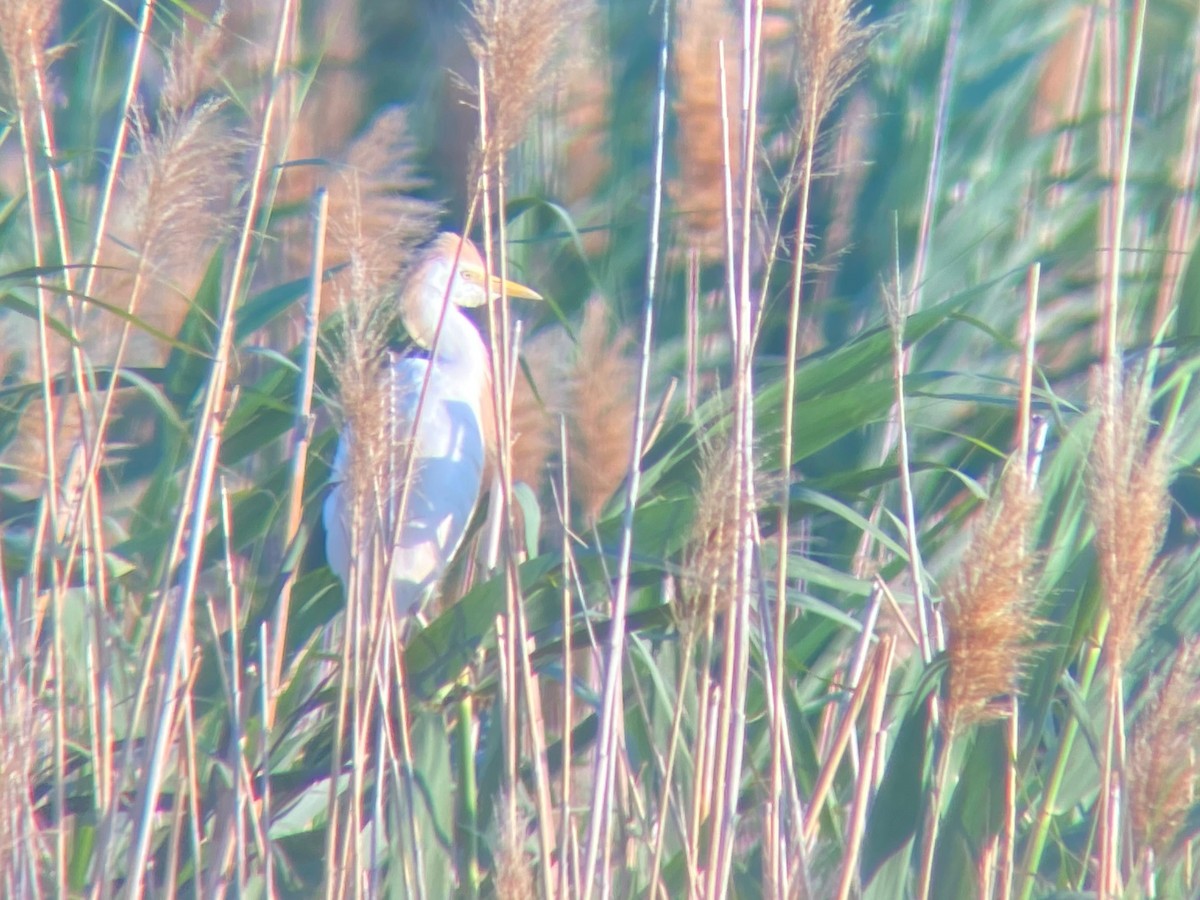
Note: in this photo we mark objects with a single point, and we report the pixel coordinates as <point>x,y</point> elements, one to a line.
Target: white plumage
<point>446,431</point>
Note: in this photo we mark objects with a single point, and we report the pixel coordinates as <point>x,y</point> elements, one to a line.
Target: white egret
<point>449,431</point>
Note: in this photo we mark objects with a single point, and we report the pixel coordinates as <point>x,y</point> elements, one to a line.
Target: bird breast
<point>445,433</point>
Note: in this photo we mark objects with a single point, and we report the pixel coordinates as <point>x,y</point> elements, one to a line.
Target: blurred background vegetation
<point>936,638</point>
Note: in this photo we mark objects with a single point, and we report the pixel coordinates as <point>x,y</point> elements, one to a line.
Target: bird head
<point>453,268</point>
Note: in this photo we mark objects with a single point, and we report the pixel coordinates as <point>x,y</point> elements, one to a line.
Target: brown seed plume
<point>517,44</point>
<point>699,190</point>
<point>1163,772</point>
<point>601,407</point>
<point>710,560</point>
<point>374,222</point>
<point>988,605</point>
<point>583,113</point>
<point>1129,504</point>
<point>538,399</point>
<point>181,183</point>
<point>831,42</point>
<point>513,879</point>
<point>374,216</point>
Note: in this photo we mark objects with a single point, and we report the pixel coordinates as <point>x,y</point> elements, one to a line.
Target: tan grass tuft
<point>517,44</point>
<point>1163,770</point>
<point>699,190</point>
<point>538,399</point>
<point>1129,505</point>
<point>513,879</point>
<point>988,605</point>
<point>708,583</point>
<point>25,736</point>
<point>602,408</point>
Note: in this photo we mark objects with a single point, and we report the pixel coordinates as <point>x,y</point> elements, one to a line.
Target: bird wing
<point>447,442</point>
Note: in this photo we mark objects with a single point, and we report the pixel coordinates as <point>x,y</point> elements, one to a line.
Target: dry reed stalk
<point>878,678</point>
<point>567,834</point>
<point>120,139</point>
<point>1129,505</point>
<point>25,27</point>
<point>989,605</point>
<point>1162,772</point>
<point>837,749</point>
<point>180,183</point>
<point>198,485</point>
<point>928,624</point>
<point>302,438</point>
<point>25,733</point>
<point>516,45</point>
<point>702,151</point>
<point>830,44</point>
<point>1007,839</point>
<point>1116,148</point>
<point>612,692</point>
<point>1185,174</point>
<point>740,262</point>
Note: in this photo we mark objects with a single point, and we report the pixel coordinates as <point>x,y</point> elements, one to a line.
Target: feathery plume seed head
<point>710,560</point>
<point>25,725</point>
<point>538,398</point>
<point>699,190</point>
<point>374,222</point>
<point>193,66</point>
<point>1129,504</point>
<point>988,604</point>
<point>181,183</point>
<point>516,44</point>
<point>831,42</point>
<point>373,213</point>
<point>513,879</point>
<point>25,27</point>
<point>1163,770</point>
<point>601,407</point>
<point>178,204</point>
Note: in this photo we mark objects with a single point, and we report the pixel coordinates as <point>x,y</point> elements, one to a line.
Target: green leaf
<point>895,815</point>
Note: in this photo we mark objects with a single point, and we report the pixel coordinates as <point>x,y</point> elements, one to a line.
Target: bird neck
<point>459,347</point>
<point>421,311</point>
